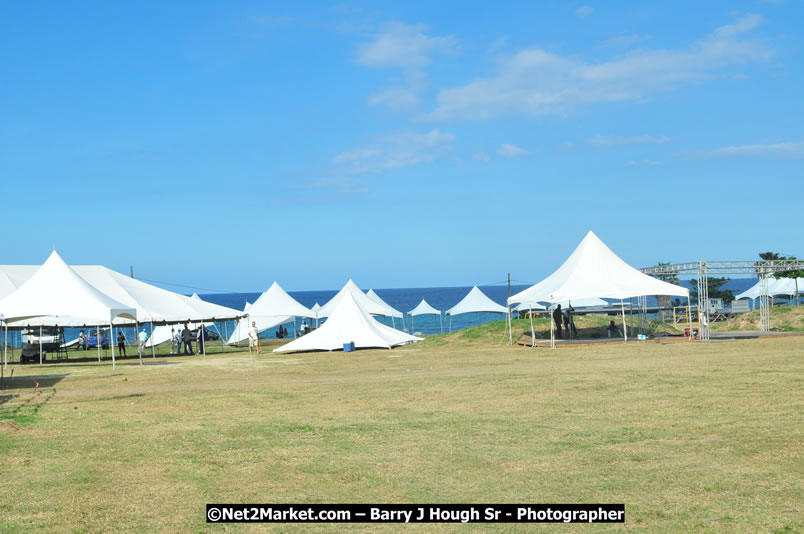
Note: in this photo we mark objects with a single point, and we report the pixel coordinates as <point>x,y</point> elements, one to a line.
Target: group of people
<point>185,337</point>
<point>564,317</point>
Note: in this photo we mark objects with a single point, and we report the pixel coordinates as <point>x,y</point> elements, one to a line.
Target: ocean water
<point>401,299</point>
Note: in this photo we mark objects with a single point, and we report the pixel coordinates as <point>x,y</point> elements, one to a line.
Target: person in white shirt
<point>143,337</point>
<point>253,338</point>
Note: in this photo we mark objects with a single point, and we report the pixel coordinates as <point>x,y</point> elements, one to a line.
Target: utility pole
<point>132,271</point>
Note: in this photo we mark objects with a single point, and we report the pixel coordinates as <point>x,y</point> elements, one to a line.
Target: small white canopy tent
<point>475,301</point>
<point>423,308</point>
<point>274,307</point>
<point>349,323</point>
<point>776,286</point>
<point>593,270</point>
<point>365,302</point>
<point>57,291</point>
<point>394,313</point>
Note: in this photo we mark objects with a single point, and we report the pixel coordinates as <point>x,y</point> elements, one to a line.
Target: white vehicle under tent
<point>474,302</point>
<point>273,308</point>
<point>423,308</point>
<point>154,305</point>
<point>594,271</point>
<point>56,294</point>
<point>348,327</point>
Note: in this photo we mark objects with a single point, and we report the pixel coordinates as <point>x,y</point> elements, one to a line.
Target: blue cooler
<point>349,347</point>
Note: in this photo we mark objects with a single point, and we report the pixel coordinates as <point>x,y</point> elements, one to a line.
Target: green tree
<point>714,286</point>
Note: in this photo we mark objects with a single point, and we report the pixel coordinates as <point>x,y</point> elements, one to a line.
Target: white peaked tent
<point>394,313</point>
<point>315,308</point>
<point>349,323</point>
<point>475,301</point>
<point>57,291</point>
<point>423,308</point>
<point>365,302</point>
<point>593,270</point>
<point>153,304</point>
<point>274,307</point>
<point>776,286</point>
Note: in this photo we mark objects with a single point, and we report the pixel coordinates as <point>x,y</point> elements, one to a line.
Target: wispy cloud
<point>409,48</point>
<point>537,82</point>
<point>395,151</point>
<point>507,150</point>
<point>481,156</point>
<point>787,150</point>
<point>609,141</point>
<point>584,11</point>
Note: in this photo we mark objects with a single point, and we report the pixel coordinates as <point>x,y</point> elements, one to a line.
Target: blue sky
<point>227,145</point>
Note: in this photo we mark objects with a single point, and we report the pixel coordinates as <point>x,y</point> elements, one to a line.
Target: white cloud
<point>395,151</point>
<point>406,47</point>
<point>609,141</point>
<point>396,98</point>
<point>481,156</point>
<point>403,45</point>
<point>584,11</point>
<point>537,82</point>
<point>787,150</point>
<point>507,150</point>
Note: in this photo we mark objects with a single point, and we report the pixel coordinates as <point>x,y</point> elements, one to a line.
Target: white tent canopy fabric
<point>365,302</point>
<point>348,322</point>
<point>593,270</point>
<point>776,286</point>
<point>376,298</point>
<point>276,302</point>
<point>57,291</point>
<point>476,301</point>
<point>576,304</point>
<point>274,307</point>
<point>423,308</point>
<point>152,303</point>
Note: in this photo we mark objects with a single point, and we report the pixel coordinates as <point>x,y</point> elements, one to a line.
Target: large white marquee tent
<point>594,271</point>
<point>57,291</point>
<point>348,322</point>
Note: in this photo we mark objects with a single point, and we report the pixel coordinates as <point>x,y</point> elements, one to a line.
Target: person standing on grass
<point>253,338</point>
<point>143,337</point>
<point>557,320</point>
<point>121,342</point>
<point>174,341</point>
<point>187,338</point>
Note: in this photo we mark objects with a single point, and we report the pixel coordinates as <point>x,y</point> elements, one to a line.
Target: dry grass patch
<point>691,436</point>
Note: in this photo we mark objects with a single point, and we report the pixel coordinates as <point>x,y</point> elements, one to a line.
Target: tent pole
<point>219,332</point>
<point>552,325</point>
<point>689,318</point>
<point>153,345</point>
<point>111,337</point>
<point>625,330</point>
<point>510,326</point>
<point>40,344</point>
<point>5,347</point>
<point>411,325</point>
<point>532,330</point>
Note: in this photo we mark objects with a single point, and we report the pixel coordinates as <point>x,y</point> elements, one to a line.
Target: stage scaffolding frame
<point>762,269</point>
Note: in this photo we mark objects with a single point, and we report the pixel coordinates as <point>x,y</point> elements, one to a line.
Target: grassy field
<point>690,436</point>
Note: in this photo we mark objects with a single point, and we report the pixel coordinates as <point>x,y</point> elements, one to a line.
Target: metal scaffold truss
<point>762,269</point>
